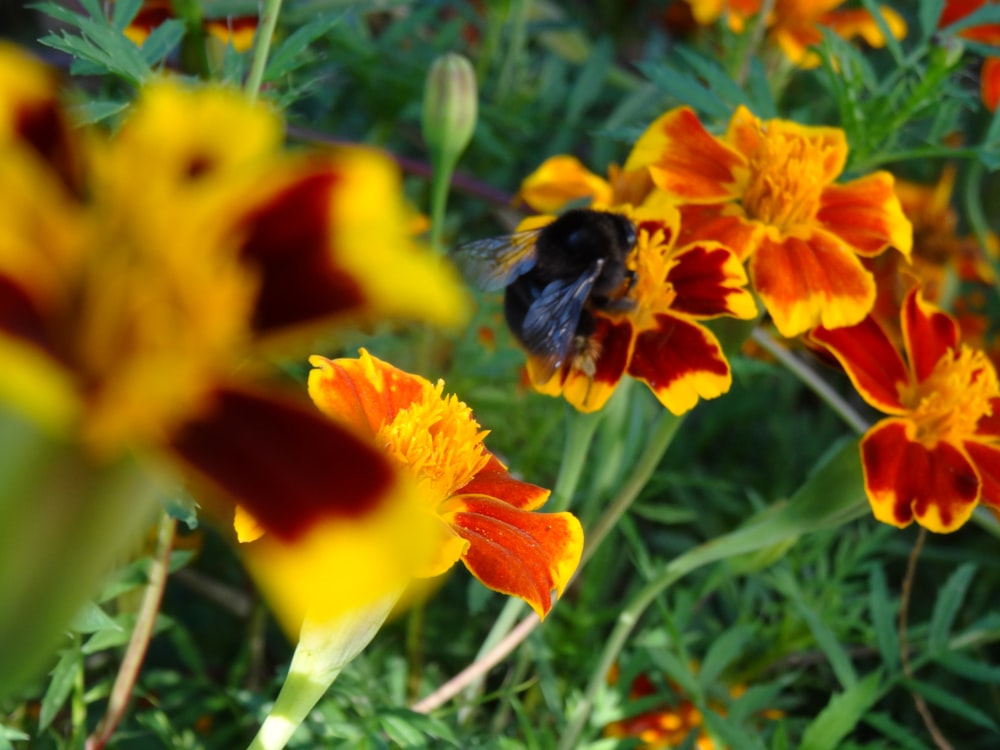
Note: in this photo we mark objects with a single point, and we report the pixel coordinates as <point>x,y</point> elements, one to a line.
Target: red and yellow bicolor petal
<point>708,281</point>
<point>870,360</point>
<point>928,334</point>
<point>238,31</point>
<point>867,215</point>
<point>332,242</point>
<point>810,279</point>
<point>343,528</point>
<point>561,180</point>
<point>515,552</point>
<point>609,352</point>
<point>685,160</point>
<point>681,362</point>
<point>906,480</point>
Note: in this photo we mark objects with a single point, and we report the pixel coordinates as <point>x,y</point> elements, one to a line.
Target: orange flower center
<point>651,261</point>
<point>951,401</point>
<point>437,441</point>
<point>786,178</point>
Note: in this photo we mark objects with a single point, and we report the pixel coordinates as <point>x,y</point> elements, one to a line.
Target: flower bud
<point>450,106</point>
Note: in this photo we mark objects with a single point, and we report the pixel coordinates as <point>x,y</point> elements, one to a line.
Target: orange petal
<point>561,180</point>
<point>709,281</point>
<point>870,360</point>
<point>364,392</point>
<point>493,480</point>
<point>811,280</point>
<point>515,552</point>
<point>928,333</point>
<point>681,362</point>
<point>853,22</point>
<point>725,223</point>
<point>866,214</point>
<point>238,31</point>
<point>905,480</point>
<point>686,160</point>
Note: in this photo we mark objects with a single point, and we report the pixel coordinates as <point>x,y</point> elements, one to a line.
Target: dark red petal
<point>20,317</point>
<point>493,480</point>
<point>284,462</point>
<point>724,223</point>
<point>708,280</point>
<point>871,361</point>
<point>614,340</point>
<point>989,426</point>
<point>928,333</point>
<point>288,240</point>
<point>42,125</point>
<point>906,480</point>
<point>680,361</point>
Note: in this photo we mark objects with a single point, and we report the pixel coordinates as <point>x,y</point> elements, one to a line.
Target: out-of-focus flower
<point>766,189</point>
<point>987,33</point>
<point>670,725</point>
<point>795,25</point>
<point>653,331</point>
<point>146,279</point>
<point>940,257</point>
<point>237,31</point>
<point>937,455</point>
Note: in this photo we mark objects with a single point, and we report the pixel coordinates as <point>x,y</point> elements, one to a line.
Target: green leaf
<point>928,14</point>
<point>732,735</point>
<point>685,89</point>
<point>716,78</point>
<point>891,43</point>
<point>123,12</point>
<point>902,736</point>
<point>883,618</point>
<point>988,13</point>
<point>96,110</point>
<point>92,619</point>
<point>588,83</point>
<point>841,714</point>
<point>969,668</point>
<point>952,703</point>
<point>162,41</point>
<point>947,605</point>
<point>288,56</point>
<point>60,685</point>
<point>724,651</point>
<point>109,638</point>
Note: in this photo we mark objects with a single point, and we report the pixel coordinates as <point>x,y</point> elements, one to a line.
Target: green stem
<point>441,173</point>
<point>663,433</point>
<point>324,649</point>
<point>580,430</point>
<point>262,47</point>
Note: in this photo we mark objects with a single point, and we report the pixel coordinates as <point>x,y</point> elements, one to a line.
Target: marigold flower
<point>794,25</point>
<point>767,190</point>
<point>937,455</point>
<point>485,514</point>
<point>238,31</point>
<point>142,277</point>
<point>653,331</point>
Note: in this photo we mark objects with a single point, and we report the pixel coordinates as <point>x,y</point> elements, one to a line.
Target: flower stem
<point>324,649</point>
<point>441,173</point>
<point>128,672</point>
<point>262,47</point>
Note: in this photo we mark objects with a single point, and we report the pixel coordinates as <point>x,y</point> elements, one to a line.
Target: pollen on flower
<point>651,262</point>
<point>437,441</point>
<point>949,403</point>
<point>785,180</point>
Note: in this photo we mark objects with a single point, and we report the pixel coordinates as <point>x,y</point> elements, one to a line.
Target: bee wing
<point>551,322</point>
<point>492,263</point>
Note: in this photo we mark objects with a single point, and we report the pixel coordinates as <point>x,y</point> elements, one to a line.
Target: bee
<point>554,277</point>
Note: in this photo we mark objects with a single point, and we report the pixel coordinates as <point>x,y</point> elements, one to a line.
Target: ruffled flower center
<point>950,402</point>
<point>437,441</point>
<point>785,178</point>
<point>651,262</point>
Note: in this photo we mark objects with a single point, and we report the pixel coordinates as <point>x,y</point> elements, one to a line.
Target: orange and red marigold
<point>653,332</point>
<point>465,503</point>
<point>766,189</point>
<point>937,454</point>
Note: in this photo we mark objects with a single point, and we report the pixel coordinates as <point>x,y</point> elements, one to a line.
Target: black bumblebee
<point>554,276</point>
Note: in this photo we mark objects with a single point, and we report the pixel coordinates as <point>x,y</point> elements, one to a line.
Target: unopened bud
<point>450,106</point>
